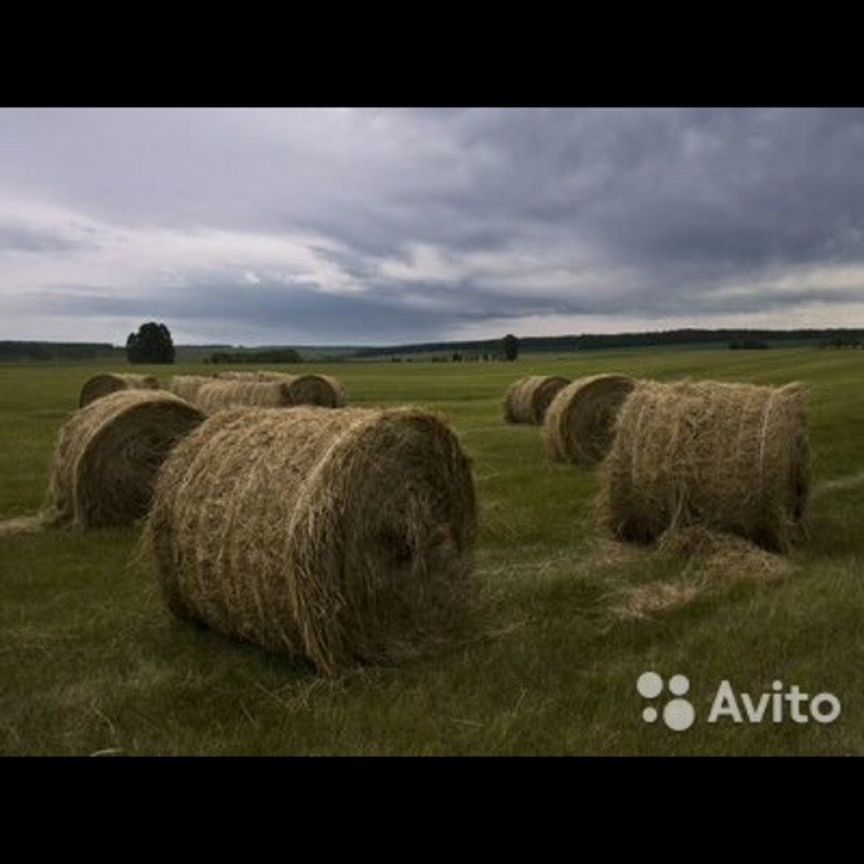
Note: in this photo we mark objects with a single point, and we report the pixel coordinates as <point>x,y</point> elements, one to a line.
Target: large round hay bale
<point>101,385</point>
<point>341,536</point>
<point>187,386</point>
<point>108,453</point>
<point>527,399</point>
<point>580,423</point>
<point>729,457</point>
<point>282,392</point>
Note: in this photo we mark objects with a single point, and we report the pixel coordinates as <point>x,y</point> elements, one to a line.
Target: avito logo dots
<point>678,713</point>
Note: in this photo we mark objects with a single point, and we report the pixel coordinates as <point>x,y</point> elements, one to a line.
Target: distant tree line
<point>27,352</point>
<point>268,355</point>
<point>845,340</point>
<point>588,342</point>
<point>748,345</point>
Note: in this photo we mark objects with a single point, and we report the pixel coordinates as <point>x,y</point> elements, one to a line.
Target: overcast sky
<point>297,226</point>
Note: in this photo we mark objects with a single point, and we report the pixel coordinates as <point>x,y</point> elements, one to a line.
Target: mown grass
<point>90,660</point>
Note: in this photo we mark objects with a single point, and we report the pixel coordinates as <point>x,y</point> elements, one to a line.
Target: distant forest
<point>834,337</point>
<point>58,351</point>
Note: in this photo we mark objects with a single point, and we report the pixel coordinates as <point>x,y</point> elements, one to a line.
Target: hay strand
<point>580,423</point>
<point>528,398</point>
<point>341,536</point>
<point>101,385</point>
<point>729,457</point>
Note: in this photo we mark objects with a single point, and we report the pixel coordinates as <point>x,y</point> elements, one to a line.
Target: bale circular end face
<point>316,390</point>
<point>729,457</point>
<point>528,398</point>
<point>101,385</point>
<point>343,536</point>
<point>107,456</point>
<point>580,423</point>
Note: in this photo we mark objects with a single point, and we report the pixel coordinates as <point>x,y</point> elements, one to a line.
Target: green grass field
<point>91,661</point>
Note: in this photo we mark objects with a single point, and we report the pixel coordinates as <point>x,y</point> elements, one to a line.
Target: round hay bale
<point>343,536</point>
<point>219,395</point>
<point>580,423</point>
<point>282,392</point>
<point>101,385</point>
<point>187,386</point>
<point>108,453</point>
<point>337,397</point>
<point>317,390</point>
<point>528,398</point>
<point>250,375</point>
<point>729,457</point>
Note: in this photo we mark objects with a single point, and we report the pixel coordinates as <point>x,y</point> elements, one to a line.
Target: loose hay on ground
<point>723,555</point>
<point>527,399</point>
<point>580,423</point>
<point>106,458</point>
<point>641,602</point>
<point>714,561</point>
<point>730,457</point>
<point>101,385</point>
<point>341,536</point>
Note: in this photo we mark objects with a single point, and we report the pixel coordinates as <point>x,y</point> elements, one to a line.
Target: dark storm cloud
<point>387,315</point>
<point>392,225</point>
<point>24,238</point>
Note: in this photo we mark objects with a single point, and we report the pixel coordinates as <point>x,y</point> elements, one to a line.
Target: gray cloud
<point>392,225</point>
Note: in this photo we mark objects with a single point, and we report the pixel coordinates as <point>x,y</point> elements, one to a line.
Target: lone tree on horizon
<point>511,347</point>
<point>151,344</point>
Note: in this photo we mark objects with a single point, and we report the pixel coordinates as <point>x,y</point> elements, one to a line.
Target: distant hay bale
<point>527,399</point>
<point>580,423</point>
<point>101,385</point>
<point>281,392</point>
<point>187,386</point>
<point>214,396</point>
<point>729,457</point>
<point>337,390</point>
<point>108,453</point>
<point>343,536</point>
<point>250,375</point>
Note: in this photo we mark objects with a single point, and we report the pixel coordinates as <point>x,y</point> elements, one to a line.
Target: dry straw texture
<point>250,375</point>
<point>286,390</point>
<point>724,556</point>
<point>730,457</point>
<point>101,385</point>
<point>528,398</point>
<point>106,459</point>
<point>187,386</point>
<point>714,561</point>
<point>341,536</point>
<point>580,423</point>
